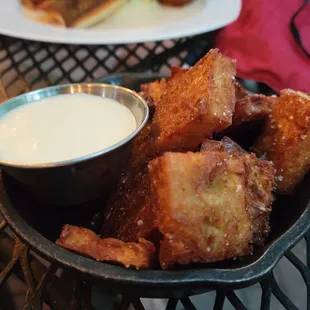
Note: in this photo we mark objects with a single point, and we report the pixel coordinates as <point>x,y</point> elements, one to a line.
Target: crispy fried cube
<point>176,72</point>
<point>286,139</point>
<point>200,201</point>
<point>130,214</point>
<point>196,104</point>
<point>152,92</point>
<point>253,107</point>
<point>259,181</point>
<point>144,148</point>
<point>223,188</point>
<point>259,195</point>
<point>86,242</point>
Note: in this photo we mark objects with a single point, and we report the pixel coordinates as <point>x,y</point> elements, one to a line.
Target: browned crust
<point>259,181</point>
<point>196,104</point>
<point>142,149</point>
<point>152,92</point>
<point>286,139</point>
<point>198,222</point>
<point>86,242</point>
<point>178,204</point>
<point>130,214</point>
<point>252,108</point>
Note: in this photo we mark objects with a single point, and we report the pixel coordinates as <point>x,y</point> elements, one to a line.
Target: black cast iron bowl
<point>87,177</point>
<point>39,227</point>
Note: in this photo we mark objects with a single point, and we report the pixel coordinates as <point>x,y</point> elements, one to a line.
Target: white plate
<point>137,21</point>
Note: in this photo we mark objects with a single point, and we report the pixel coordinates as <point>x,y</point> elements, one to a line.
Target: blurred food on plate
<point>77,13</point>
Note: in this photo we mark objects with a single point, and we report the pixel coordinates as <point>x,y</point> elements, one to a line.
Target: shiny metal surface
<point>130,99</point>
<point>87,177</point>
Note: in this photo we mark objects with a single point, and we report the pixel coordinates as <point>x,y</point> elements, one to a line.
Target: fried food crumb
<point>86,242</point>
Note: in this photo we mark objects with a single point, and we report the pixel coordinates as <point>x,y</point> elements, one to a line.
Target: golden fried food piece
<point>200,201</point>
<point>130,214</point>
<point>152,92</point>
<point>176,72</point>
<point>142,149</point>
<point>259,181</point>
<point>253,107</point>
<point>196,104</point>
<point>86,242</point>
<point>181,190</point>
<point>259,196</point>
<point>145,146</point>
<point>286,139</point>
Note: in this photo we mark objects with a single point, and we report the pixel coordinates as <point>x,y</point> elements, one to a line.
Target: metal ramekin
<point>85,178</point>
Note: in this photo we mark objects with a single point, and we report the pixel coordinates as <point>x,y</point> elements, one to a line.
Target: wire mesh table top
<point>26,65</point>
<point>32,65</point>
<point>46,286</point>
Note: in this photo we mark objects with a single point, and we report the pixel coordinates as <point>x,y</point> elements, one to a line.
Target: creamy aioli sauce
<point>63,127</point>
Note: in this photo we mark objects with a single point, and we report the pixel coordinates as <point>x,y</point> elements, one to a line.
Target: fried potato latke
<point>203,204</point>
<point>86,242</point>
<point>196,104</point>
<point>286,139</point>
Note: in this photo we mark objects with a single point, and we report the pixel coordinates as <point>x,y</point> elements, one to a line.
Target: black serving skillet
<point>39,225</point>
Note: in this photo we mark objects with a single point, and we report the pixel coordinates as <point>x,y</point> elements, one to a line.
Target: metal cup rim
<point>88,156</point>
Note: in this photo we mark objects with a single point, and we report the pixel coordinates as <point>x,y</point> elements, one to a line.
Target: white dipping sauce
<point>63,127</point>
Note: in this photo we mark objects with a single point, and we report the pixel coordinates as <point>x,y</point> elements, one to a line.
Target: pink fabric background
<point>263,45</point>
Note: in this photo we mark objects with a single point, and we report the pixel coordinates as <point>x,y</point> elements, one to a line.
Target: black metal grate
<point>26,65</point>
<point>46,286</point>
